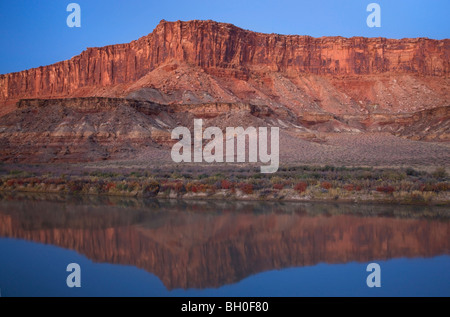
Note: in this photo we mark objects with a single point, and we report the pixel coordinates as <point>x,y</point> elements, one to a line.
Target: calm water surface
<point>132,247</point>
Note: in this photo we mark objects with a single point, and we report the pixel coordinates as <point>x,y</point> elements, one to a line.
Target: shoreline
<point>377,200</point>
<point>355,185</point>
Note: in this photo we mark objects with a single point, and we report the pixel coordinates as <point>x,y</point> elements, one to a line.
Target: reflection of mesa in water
<point>201,244</point>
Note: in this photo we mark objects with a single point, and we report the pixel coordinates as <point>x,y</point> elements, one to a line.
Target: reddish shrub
<point>246,188</point>
<point>191,187</point>
<point>226,184</point>
<point>326,185</point>
<point>179,187</point>
<point>441,187</point>
<point>349,187</point>
<point>434,187</point>
<point>109,186</point>
<point>11,182</point>
<point>301,187</point>
<point>278,186</point>
<point>386,189</point>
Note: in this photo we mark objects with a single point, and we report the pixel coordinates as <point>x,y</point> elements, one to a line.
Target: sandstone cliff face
<point>225,51</point>
<point>231,77</point>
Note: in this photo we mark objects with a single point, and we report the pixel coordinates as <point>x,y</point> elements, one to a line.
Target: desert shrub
<point>32,180</point>
<point>211,188</point>
<point>200,188</point>
<point>246,188</point>
<point>122,186</point>
<point>406,186</point>
<point>278,186</point>
<point>439,173</point>
<point>385,189</point>
<point>411,172</point>
<point>349,187</point>
<point>11,182</point>
<point>179,187</point>
<point>134,186</point>
<point>204,188</point>
<point>191,187</point>
<point>301,187</point>
<point>366,175</point>
<point>226,184</point>
<point>276,179</point>
<point>393,175</point>
<point>265,193</point>
<point>135,174</point>
<point>326,185</point>
<point>109,186</point>
<point>75,186</point>
<point>54,181</point>
<point>439,187</point>
<point>175,175</point>
<point>417,197</point>
<point>103,174</point>
<point>152,188</point>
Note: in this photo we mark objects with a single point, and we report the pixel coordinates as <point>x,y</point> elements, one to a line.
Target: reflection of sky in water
<point>34,269</point>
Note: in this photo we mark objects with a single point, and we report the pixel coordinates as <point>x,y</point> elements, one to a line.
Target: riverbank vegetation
<point>304,183</point>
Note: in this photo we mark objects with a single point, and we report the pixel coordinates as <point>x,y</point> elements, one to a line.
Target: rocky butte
<point>224,51</point>
<point>302,84</point>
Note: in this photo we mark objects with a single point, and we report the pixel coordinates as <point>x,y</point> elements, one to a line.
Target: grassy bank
<point>290,183</point>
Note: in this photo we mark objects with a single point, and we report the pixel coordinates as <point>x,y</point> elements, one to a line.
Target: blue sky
<point>34,33</point>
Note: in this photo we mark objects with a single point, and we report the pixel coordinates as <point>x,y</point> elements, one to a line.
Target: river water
<point>135,247</point>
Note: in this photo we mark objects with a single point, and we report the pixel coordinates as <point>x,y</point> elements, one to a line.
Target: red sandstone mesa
<point>226,51</point>
<point>311,88</point>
